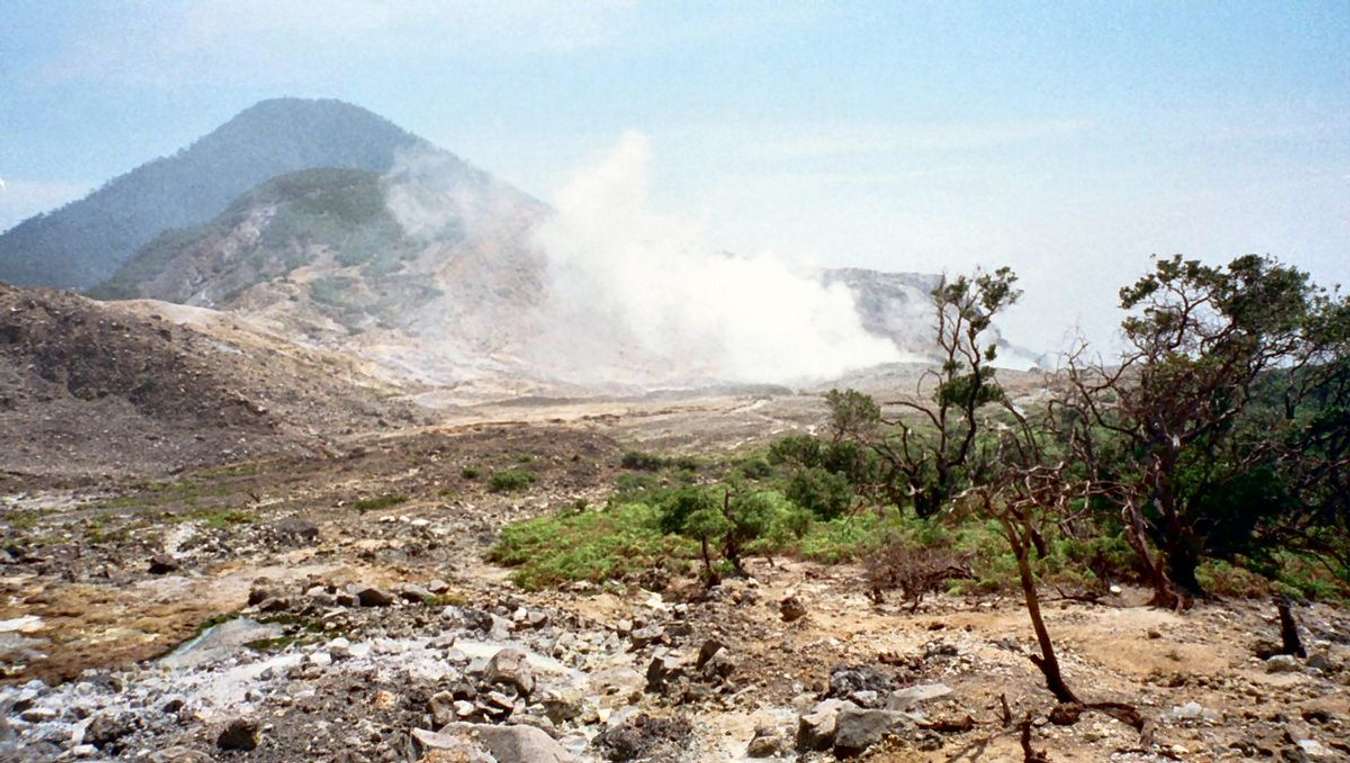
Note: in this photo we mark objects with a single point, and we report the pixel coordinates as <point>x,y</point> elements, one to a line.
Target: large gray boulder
<point>518,743</point>
<point>449,747</point>
<point>816,729</point>
<point>511,667</point>
<point>857,729</point>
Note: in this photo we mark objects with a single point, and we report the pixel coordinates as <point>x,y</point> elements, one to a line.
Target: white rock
<point>1282,663</point>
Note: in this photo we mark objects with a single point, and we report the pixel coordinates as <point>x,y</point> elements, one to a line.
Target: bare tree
<point>929,456</point>
<point>1032,482</point>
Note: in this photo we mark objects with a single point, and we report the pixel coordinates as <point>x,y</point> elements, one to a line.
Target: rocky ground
<point>336,607</point>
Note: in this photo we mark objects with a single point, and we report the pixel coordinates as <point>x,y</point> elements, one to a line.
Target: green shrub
<point>509,480</point>
<point>637,487</point>
<point>847,538</point>
<point>796,450</point>
<point>1225,579</point>
<point>595,545</point>
<point>685,463</point>
<point>732,522</point>
<point>755,468</point>
<point>647,462</point>
<point>1304,578</point>
<point>823,493</point>
<point>470,473</point>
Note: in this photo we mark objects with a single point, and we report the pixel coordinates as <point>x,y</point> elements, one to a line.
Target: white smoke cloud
<point>638,296</point>
<point>434,195</point>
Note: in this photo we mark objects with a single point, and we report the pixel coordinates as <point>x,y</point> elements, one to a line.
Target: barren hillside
<point>90,388</point>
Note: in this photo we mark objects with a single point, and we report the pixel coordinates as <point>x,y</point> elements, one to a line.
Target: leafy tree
<point>823,493</point>
<point>732,520</point>
<point>1223,424</point>
<point>929,457</point>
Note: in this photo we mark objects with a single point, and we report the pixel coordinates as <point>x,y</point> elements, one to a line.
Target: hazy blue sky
<point>1071,140</point>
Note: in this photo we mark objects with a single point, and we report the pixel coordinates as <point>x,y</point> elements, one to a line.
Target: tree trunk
<point>1038,540</point>
<point>1289,639</point>
<point>926,503</point>
<point>1182,561</point>
<point>707,564</point>
<point>1047,661</point>
<point>1165,594</point>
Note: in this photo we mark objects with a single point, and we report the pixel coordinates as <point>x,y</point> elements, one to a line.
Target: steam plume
<point>635,295</point>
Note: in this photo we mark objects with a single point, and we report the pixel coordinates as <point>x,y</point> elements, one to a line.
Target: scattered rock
<point>162,564</point>
<point>857,729</point>
<point>522,743</point>
<point>179,755</point>
<point>562,705</point>
<point>1321,661</point>
<point>414,593</point>
<point>719,667</point>
<point>865,698</point>
<point>791,608</point>
<point>239,734</point>
<point>766,743</point>
<point>374,597</point>
<point>1282,663</point>
<point>709,648</point>
<point>845,680</point>
<point>442,708</point>
<point>449,748</point>
<point>641,736</point>
<point>296,530</point>
<point>1314,750</point>
<point>1065,713</point>
<point>276,604</point>
<point>510,666</point>
<point>662,669</point>
<point>1194,711</point>
<point>816,729</point>
<point>106,728</point>
<point>904,699</point>
<point>643,636</point>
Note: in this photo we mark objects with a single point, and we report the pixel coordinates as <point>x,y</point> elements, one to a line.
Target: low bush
<point>823,493</point>
<point>847,538</point>
<point>914,571</point>
<point>621,540</point>
<point>647,462</point>
<point>509,480</point>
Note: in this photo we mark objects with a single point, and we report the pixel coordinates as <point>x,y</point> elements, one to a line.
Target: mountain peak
<point>86,241</point>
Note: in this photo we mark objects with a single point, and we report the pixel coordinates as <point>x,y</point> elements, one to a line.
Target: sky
<point>1069,140</point>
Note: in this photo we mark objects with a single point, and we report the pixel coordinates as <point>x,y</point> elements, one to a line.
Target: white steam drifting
<point>632,295</point>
